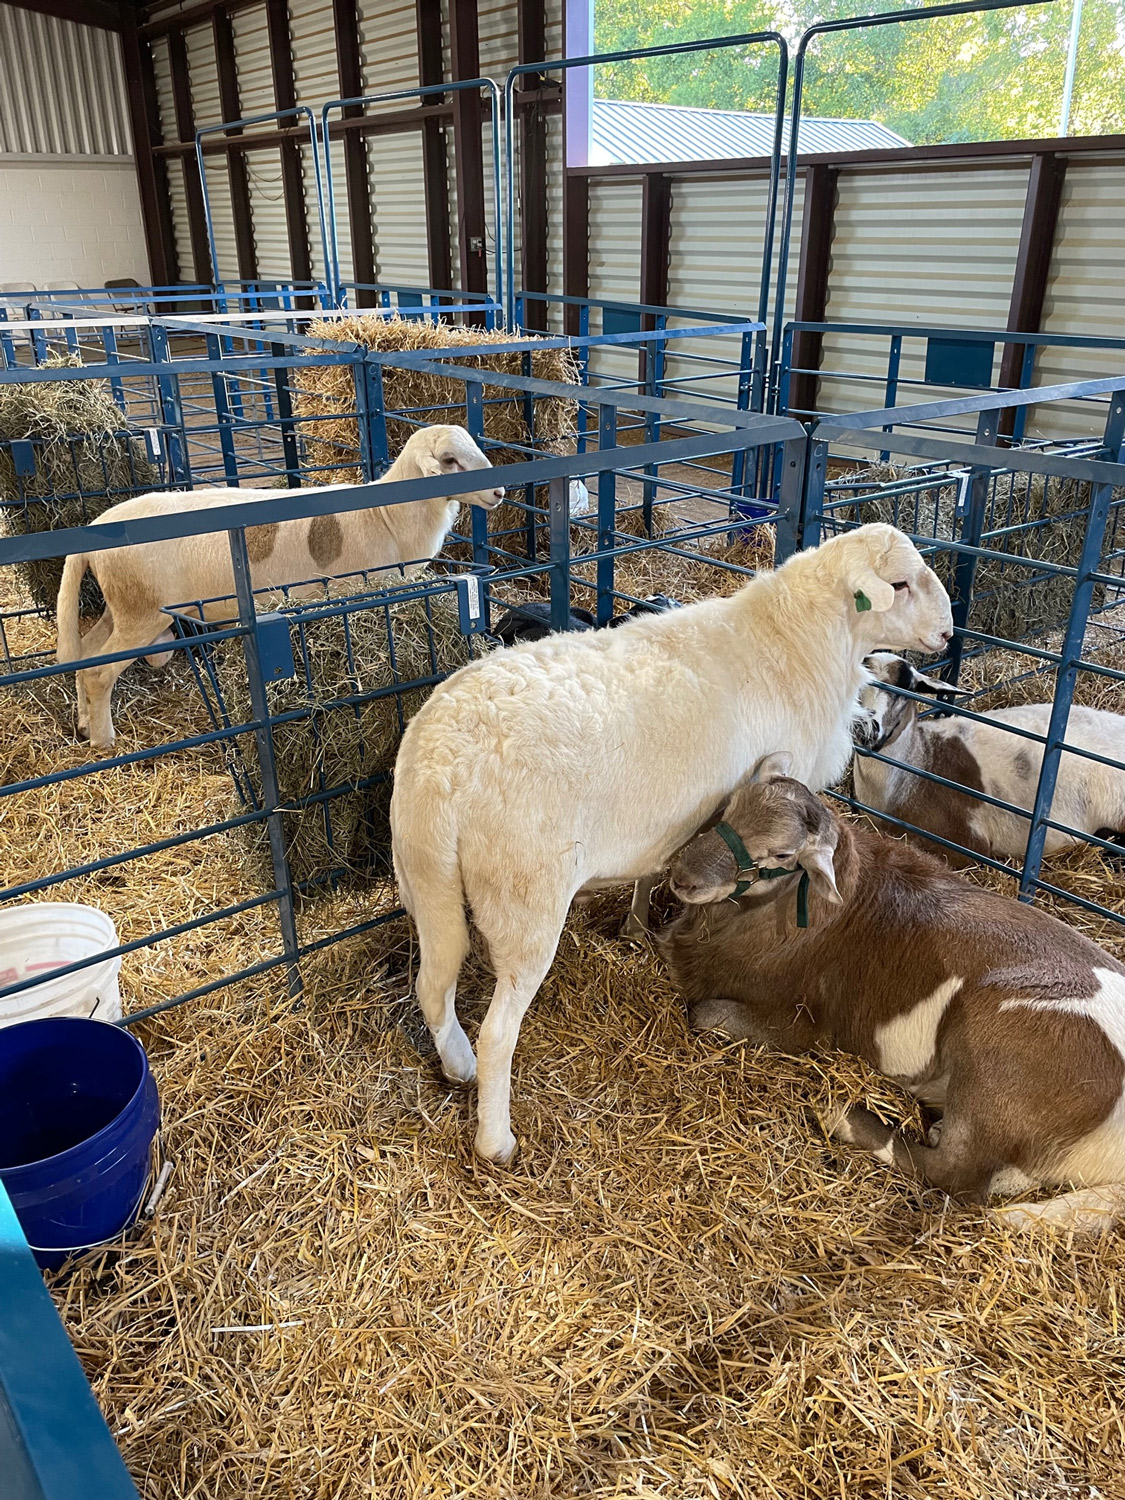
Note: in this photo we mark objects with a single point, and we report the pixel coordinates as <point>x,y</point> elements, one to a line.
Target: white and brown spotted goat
<point>1006,1021</point>
<point>982,757</point>
<point>139,582</point>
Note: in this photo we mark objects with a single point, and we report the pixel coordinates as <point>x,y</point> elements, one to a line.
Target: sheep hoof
<point>82,731</point>
<point>634,930</point>
<point>501,1154</point>
<point>462,1077</point>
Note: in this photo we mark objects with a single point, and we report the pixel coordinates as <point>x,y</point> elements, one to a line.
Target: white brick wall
<point>70,219</point>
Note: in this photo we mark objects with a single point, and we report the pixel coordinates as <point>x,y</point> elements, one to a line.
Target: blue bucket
<point>752,513</point>
<point>78,1112</point>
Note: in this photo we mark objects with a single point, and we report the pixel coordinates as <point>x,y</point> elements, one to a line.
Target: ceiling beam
<point>101,13</point>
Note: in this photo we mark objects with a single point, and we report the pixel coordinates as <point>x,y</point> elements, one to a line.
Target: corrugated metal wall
<point>715,262</point>
<point>1086,291</point>
<point>935,246</point>
<point>398,207</point>
<point>614,249</point>
<point>388,37</point>
<point>86,118</point>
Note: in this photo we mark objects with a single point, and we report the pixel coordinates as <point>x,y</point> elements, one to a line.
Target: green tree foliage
<point>990,76</point>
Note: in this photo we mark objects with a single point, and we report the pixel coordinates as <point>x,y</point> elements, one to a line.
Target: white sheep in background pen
<point>1089,796</point>
<point>588,759</point>
<point>139,582</point>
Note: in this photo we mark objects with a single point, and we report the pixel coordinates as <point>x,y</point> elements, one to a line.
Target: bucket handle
<point>96,1244</point>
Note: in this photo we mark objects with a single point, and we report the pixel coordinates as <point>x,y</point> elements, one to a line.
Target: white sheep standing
<point>983,757</point>
<point>588,759</point>
<point>139,582</point>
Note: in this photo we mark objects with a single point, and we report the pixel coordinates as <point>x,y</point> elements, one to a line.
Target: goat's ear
<point>920,683</point>
<point>770,767</point>
<point>816,860</point>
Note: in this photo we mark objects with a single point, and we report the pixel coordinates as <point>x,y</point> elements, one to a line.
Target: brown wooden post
<point>656,243</point>
<point>576,243</point>
<point>193,187</point>
<point>345,16</point>
<point>231,107</point>
<point>152,171</point>
<point>1033,265</point>
<point>285,97</point>
<point>532,24</point>
<point>812,283</point>
<point>435,167</point>
<point>468,147</point>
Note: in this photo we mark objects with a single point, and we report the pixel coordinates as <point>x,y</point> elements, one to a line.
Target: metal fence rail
<point>947,359</point>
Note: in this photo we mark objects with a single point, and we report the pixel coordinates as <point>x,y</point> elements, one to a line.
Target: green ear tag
<point>862,602</point>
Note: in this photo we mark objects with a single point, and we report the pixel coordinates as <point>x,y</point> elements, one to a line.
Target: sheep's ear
<point>869,591</point>
<point>770,767</point>
<point>429,464</point>
<point>816,860</point>
<point>920,683</point>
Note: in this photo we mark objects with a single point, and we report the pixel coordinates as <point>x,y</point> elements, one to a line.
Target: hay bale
<point>1010,601</point>
<point>337,744</point>
<point>327,393</point>
<point>84,462</point>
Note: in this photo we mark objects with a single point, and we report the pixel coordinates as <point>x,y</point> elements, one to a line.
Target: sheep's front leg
<point>636,923</point>
<point>521,966</point>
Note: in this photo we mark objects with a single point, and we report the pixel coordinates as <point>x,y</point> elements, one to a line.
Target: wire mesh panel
<point>1024,771</point>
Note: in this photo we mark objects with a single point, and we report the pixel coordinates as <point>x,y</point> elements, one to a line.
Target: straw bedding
<point>84,463</point>
<point>680,1290</point>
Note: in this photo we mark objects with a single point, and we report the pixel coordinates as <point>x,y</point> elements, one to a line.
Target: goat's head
<point>899,602</point>
<point>782,827</point>
<point>450,450</point>
<point>882,714</point>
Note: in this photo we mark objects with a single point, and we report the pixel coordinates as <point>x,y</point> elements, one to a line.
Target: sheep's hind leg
<point>160,659</point>
<point>954,1165</point>
<point>522,952</point>
<point>443,948</point>
<point>100,680</point>
<point>432,895</point>
<point>92,643</point>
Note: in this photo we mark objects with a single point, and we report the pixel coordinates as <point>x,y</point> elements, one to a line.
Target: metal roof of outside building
<point>624,131</point>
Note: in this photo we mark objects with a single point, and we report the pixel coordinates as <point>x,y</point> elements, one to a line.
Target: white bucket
<point>49,935</point>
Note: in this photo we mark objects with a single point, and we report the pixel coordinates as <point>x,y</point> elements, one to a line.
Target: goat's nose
<point>947,635</point>
<point>499,494</point>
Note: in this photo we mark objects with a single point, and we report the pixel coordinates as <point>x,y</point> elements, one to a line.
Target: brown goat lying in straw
<point>998,1016</point>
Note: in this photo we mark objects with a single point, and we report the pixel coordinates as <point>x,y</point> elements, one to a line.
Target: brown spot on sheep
<point>326,540</point>
<point>260,541</point>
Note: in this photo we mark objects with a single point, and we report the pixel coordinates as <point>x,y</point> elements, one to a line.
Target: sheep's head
<point>782,826</point>
<point>883,714</point>
<point>450,450</point>
<point>898,602</point>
